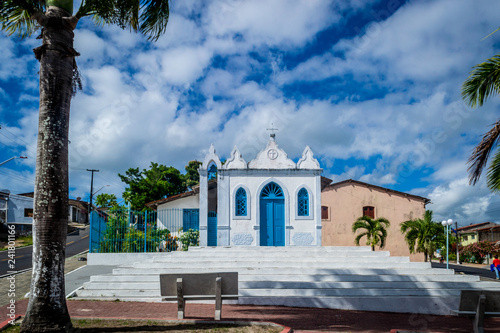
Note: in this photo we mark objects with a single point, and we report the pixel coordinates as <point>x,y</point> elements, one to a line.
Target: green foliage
<point>423,235</point>
<point>482,83</point>
<point>374,230</point>
<point>190,238</point>
<point>105,200</point>
<point>192,177</point>
<point>156,183</point>
<point>149,18</point>
<point>476,252</point>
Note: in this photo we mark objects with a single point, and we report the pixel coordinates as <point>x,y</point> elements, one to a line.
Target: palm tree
<point>484,81</point>
<point>374,230</point>
<point>422,235</point>
<point>47,310</point>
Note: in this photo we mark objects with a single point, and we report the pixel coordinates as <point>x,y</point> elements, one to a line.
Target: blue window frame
<point>303,202</point>
<point>241,202</point>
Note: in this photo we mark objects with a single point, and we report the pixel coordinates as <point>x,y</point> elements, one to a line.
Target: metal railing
<point>125,231</point>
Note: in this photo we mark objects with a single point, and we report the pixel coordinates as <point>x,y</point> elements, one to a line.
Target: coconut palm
<point>422,235</point>
<point>374,230</point>
<point>47,310</point>
<point>483,82</point>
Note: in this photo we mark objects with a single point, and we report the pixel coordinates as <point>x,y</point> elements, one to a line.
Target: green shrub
<point>190,238</point>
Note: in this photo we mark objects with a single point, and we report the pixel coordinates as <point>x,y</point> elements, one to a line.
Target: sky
<point>373,87</point>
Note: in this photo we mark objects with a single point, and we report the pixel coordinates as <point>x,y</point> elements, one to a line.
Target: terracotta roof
<point>194,190</point>
<point>473,226</point>
<point>491,227</point>
<point>385,189</point>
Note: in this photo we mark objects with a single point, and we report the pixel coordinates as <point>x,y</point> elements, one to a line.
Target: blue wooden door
<point>212,229</point>
<point>272,216</point>
<point>279,223</point>
<point>190,219</point>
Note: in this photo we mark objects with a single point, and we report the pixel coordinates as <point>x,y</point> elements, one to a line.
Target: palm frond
<point>16,16</point>
<point>493,176</point>
<point>483,81</point>
<point>477,161</point>
<point>148,17</point>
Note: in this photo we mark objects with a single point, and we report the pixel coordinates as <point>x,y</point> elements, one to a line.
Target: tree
<point>106,200</point>
<point>47,310</point>
<point>156,183</point>
<point>192,176</point>
<point>374,230</point>
<point>483,82</point>
<point>423,235</point>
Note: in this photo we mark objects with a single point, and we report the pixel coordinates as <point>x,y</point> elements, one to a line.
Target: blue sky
<point>373,87</point>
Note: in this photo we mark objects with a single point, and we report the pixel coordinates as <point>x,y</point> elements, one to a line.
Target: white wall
<point>15,209</point>
<point>300,230</point>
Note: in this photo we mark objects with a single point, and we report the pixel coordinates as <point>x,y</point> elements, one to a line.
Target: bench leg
<point>218,297</point>
<point>180,300</point>
<point>479,318</point>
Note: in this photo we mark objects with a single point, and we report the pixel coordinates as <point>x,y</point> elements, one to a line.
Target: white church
<point>269,201</point>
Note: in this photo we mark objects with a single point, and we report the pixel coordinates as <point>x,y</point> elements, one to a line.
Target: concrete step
<point>301,285</point>
<point>309,278</point>
<point>304,265</point>
<point>252,259</point>
<point>287,271</point>
<point>344,278</point>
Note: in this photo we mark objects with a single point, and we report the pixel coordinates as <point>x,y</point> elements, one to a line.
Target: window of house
<point>28,212</point>
<point>473,237</point>
<point>369,211</point>
<point>465,238</point>
<point>241,202</point>
<point>324,212</point>
<point>303,202</point>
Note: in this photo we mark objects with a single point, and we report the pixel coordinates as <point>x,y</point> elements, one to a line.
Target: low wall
<point>114,259</point>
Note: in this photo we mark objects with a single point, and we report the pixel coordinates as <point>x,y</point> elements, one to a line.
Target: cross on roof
<point>272,129</point>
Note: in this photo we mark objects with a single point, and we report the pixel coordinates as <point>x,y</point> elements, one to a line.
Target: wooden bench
<point>478,304</point>
<point>199,286</point>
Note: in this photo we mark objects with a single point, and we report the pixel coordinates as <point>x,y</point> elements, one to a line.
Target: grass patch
<point>124,326</point>
<point>21,241</point>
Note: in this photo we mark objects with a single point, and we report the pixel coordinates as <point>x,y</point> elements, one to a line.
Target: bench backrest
<point>469,298</point>
<point>199,283</point>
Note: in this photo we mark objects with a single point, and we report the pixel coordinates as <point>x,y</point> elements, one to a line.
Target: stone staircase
<point>353,278</point>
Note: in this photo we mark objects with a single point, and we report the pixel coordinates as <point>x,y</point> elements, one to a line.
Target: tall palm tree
<point>483,82</point>
<point>375,231</point>
<point>47,310</point>
<point>422,235</point>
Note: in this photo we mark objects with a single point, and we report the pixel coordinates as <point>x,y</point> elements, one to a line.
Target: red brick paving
<point>299,319</point>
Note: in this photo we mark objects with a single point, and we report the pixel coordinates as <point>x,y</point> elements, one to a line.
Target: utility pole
<point>458,241</point>
<point>91,191</point>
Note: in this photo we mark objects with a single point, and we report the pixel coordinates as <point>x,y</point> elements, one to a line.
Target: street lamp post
<point>446,224</point>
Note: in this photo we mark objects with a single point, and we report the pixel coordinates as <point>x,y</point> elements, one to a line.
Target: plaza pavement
<point>298,319</point>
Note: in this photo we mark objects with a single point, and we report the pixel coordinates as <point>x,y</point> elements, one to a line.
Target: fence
<point>117,231</point>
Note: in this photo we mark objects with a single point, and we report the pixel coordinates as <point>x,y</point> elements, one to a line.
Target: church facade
<point>269,201</point>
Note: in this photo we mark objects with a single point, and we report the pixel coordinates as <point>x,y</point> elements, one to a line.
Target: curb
<point>286,329</point>
<point>6,322</point>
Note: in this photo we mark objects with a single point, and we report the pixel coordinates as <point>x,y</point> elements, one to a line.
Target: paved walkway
<point>299,319</point>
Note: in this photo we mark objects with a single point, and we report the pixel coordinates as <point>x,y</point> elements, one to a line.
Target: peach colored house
<point>343,202</point>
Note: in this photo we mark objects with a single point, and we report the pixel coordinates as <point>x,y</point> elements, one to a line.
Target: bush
<point>190,238</point>
<point>476,252</point>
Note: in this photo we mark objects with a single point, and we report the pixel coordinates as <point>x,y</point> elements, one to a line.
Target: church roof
<point>385,189</point>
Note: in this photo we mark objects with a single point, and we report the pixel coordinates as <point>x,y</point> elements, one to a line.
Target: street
<point>76,242</point>
<point>482,272</point>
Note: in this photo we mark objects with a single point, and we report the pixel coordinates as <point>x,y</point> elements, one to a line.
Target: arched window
<point>241,202</point>
<point>303,202</point>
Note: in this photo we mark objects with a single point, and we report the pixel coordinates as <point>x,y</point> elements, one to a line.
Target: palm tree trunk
<point>47,310</point>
